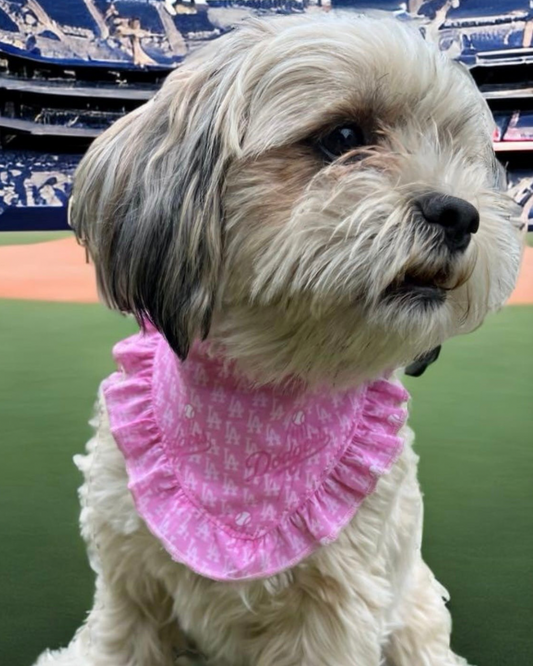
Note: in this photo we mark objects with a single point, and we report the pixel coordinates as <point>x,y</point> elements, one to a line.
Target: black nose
<point>457,217</point>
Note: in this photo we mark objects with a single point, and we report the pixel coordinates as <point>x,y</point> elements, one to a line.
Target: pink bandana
<point>239,482</point>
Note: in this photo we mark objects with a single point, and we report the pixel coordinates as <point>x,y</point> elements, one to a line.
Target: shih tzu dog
<point>305,207</point>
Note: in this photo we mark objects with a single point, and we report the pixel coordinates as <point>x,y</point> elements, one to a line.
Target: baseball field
<point>472,412</point>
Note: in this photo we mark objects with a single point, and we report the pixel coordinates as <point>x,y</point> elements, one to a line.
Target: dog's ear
<point>147,203</point>
<point>420,365</point>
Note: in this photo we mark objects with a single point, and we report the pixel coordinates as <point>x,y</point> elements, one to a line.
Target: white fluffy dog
<point>320,198</point>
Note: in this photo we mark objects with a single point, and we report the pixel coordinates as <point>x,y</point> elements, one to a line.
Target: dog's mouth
<point>418,289</point>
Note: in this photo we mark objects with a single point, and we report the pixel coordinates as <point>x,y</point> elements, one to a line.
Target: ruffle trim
<point>227,554</point>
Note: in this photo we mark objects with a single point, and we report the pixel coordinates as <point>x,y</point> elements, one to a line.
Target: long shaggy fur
<point>209,211</point>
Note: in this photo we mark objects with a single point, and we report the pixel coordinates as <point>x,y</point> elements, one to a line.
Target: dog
<point>306,206</point>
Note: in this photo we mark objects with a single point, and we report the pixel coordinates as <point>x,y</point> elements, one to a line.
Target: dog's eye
<point>341,140</point>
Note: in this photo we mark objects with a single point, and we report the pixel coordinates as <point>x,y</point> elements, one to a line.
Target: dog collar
<point>241,482</point>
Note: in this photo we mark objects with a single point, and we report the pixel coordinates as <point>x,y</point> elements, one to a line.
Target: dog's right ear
<point>147,204</point>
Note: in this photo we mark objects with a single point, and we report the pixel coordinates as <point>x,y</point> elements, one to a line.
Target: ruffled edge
<point>231,555</point>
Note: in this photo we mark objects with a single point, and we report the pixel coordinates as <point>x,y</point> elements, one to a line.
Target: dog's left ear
<point>420,365</point>
<point>147,202</point>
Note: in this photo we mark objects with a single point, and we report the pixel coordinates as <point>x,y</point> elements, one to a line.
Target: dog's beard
<point>352,282</point>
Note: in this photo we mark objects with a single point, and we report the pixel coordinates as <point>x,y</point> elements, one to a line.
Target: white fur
<point>208,210</point>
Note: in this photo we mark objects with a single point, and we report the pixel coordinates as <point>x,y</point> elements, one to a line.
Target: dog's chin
<point>342,346</point>
<point>346,340</point>
<point>345,332</point>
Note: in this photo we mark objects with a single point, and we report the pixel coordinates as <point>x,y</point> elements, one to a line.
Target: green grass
<point>53,358</point>
<point>473,417</point>
<point>30,237</point>
<point>472,412</point>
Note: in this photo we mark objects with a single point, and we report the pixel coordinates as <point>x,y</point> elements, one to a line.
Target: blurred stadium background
<point>68,69</point>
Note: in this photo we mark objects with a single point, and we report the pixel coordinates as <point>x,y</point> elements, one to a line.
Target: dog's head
<point>318,194</point>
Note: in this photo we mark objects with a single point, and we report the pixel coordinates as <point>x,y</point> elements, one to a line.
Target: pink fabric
<point>240,482</point>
